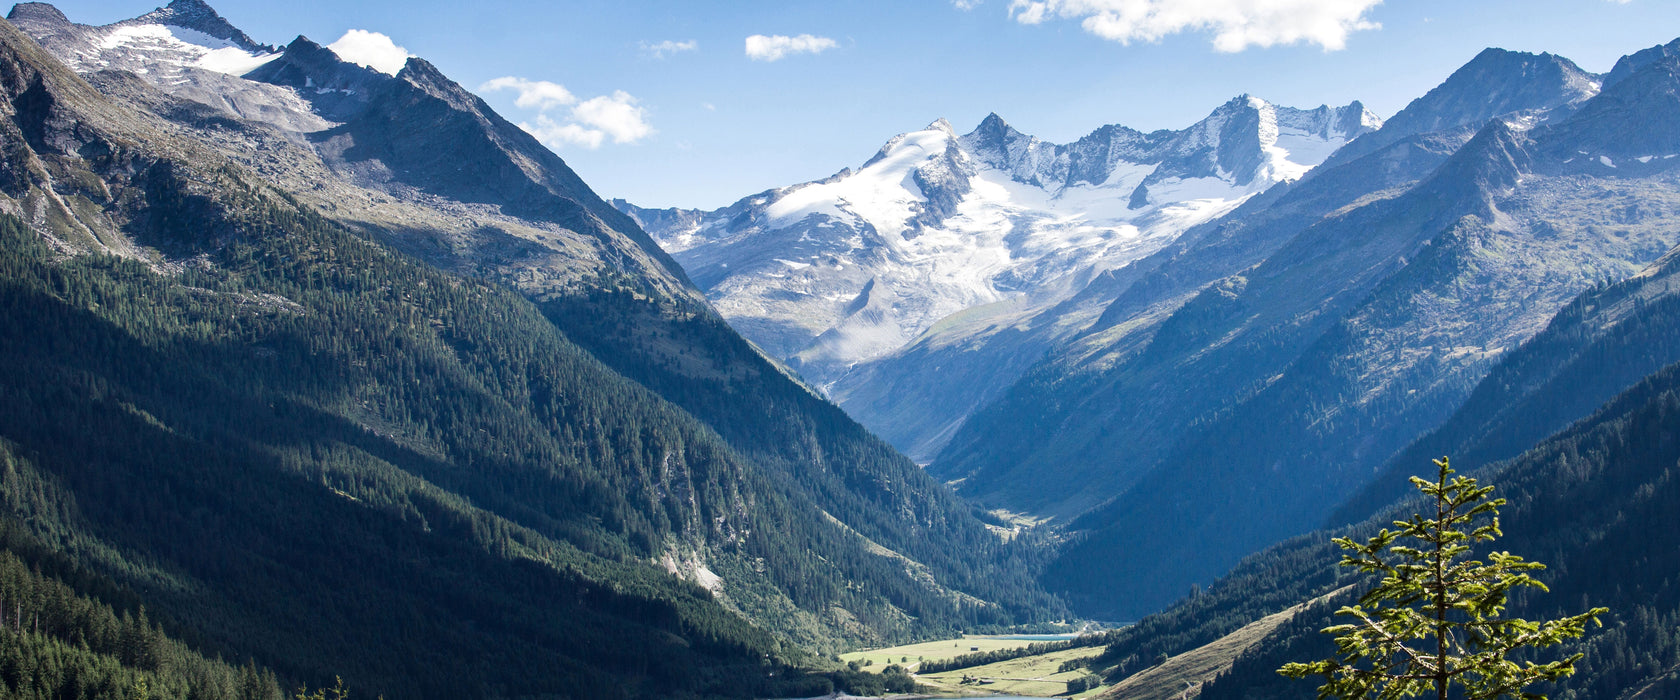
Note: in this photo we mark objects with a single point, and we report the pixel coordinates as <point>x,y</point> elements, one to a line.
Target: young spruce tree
<point>1436,620</point>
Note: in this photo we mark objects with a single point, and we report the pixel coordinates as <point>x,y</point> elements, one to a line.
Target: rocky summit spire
<point>990,141</point>
<point>37,12</point>
<point>199,16</point>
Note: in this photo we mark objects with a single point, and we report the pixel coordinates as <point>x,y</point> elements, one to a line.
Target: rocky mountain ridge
<point>496,202</point>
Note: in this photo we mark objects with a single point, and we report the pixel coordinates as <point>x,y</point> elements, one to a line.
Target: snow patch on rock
<point>178,47</point>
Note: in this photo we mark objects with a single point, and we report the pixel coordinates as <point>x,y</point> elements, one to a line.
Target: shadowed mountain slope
<point>383,468</point>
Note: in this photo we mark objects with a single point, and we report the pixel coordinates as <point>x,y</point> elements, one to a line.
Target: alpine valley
<point>321,374</point>
<point>335,372</point>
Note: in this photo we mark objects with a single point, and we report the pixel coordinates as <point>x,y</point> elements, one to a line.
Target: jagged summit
<point>164,45</point>
<point>1528,88</point>
<point>1627,65</point>
<point>1497,82</point>
<point>44,13</point>
<point>1246,140</point>
<point>990,141</point>
<point>992,126</point>
<point>199,16</point>
<point>1634,122</point>
<point>334,88</point>
<point>1491,163</point>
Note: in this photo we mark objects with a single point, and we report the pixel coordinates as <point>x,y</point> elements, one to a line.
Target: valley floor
<point>1033,676</point>
<point>1048,675</point>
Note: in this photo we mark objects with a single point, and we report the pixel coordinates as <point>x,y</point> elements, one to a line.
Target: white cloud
<point>967,4</point>
<point>668,47</point>
<point>588,123</point>
<point>1236,24</point>
<point>371,49</point>
<point>556,135</point>
<point>617,115</point>
<point>540,95</point>
<point>777,47</point>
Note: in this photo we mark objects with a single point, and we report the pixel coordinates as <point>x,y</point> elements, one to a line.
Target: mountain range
<point>910,288</point>
<point>1367,304</point>
<point>1302,294</point>
<point>324,374</point>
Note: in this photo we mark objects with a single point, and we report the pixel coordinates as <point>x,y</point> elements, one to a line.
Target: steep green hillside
<point>931,565</point>
<point>312,455</point>
<point>65,633</point>
<point>1594,503</point>
<point>690,356</point>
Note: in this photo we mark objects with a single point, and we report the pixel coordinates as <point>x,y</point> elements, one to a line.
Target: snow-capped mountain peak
<point>883,195</point>
<point>837,272</point>
<point>185,34</point>
<point>198,16</point>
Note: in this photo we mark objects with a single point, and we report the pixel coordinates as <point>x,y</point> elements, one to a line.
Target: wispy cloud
<point>371,49</point>
<point>588,123</point>
<point>967,4</point>
<point>776,47</point>
<point>668,48</point>
<point>1236,24</point>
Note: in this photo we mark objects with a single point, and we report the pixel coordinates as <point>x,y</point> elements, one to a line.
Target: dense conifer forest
<point>301,448</point>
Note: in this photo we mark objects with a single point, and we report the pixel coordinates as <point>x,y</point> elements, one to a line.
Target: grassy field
<point>911,654</point>
<point>1040,676</point>
<point>1032,675</point>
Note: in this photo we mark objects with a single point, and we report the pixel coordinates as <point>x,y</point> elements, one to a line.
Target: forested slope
<point>317,475</point>
<point>1593,502</point>
<point>65,633</point>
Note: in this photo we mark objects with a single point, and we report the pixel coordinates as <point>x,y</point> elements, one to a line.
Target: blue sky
<point>701,123</point>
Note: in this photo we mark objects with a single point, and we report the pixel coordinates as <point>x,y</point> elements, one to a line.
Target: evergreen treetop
<point>1436,618</point>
